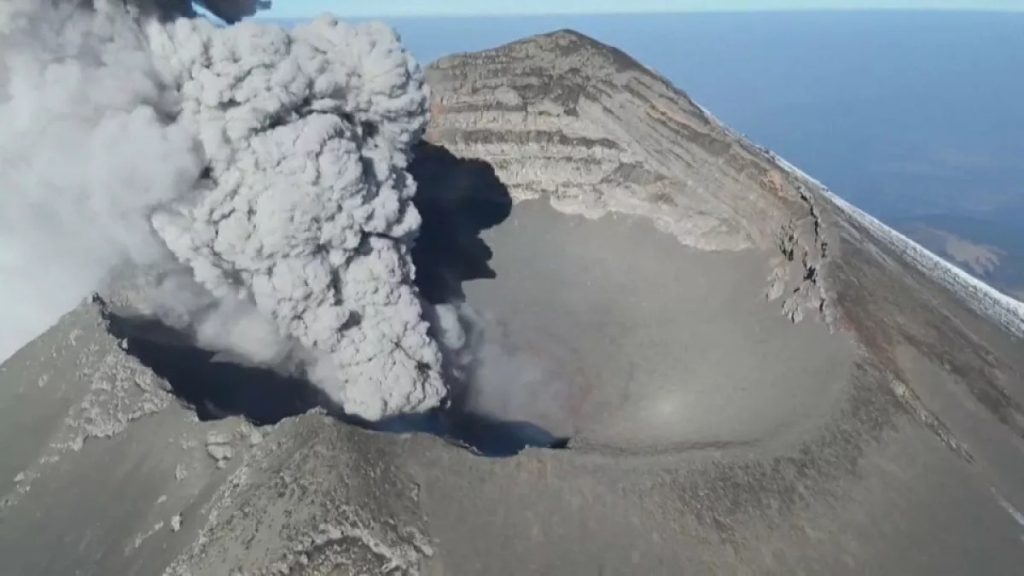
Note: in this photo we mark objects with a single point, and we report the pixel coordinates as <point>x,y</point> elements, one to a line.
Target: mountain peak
<point>561,50</point>
<point>567,38</point>
<point>567,35</point>
<point>597,130</point>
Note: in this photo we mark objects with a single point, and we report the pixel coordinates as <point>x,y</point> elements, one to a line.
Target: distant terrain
<point>914,117</point>
<point>991,248</point>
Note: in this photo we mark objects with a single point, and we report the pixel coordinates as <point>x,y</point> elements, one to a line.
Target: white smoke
<point>86,153</point>
<point>270,163</point>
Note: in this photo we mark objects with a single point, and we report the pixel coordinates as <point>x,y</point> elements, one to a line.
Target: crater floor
<point>611,332</point>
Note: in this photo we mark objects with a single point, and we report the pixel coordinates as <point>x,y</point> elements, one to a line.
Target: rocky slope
<point>588,127</point>
<point>883,434</point>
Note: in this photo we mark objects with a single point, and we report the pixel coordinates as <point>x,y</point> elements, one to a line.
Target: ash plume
<point>261,173</point>
<point>87,150</point>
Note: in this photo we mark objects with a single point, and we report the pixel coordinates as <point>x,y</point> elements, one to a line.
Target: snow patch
<point>981,297</point>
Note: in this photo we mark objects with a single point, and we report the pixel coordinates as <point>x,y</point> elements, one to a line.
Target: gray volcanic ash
<point>270,163</point>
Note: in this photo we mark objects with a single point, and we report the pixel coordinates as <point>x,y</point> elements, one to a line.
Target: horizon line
<point>694,11</point>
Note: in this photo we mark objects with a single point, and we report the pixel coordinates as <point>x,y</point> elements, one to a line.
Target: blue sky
<point>358,8</point>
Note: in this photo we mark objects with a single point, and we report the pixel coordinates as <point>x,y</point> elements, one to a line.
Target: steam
<point>260,172</point>
<point>498,379</point>
<point>86,153</point>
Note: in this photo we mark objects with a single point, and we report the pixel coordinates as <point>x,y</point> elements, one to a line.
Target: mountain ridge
<point>560,123</point>
<point>713,435</point>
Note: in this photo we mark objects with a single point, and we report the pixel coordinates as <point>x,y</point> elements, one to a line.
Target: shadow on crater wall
<point>457,199</point>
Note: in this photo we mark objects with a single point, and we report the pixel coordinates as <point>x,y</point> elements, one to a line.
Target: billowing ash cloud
<point>87,149</point>
<point>307,209</point>
<point>227,10</point>
<point>270,164</point>
<point>232,10</point>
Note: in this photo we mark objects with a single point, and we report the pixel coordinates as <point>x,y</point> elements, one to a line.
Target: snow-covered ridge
<point>981,297</point>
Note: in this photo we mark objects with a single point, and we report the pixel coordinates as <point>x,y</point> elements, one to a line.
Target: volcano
<point>702,360</point>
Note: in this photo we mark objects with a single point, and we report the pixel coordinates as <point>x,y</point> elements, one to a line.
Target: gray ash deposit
<point>751,375</point>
